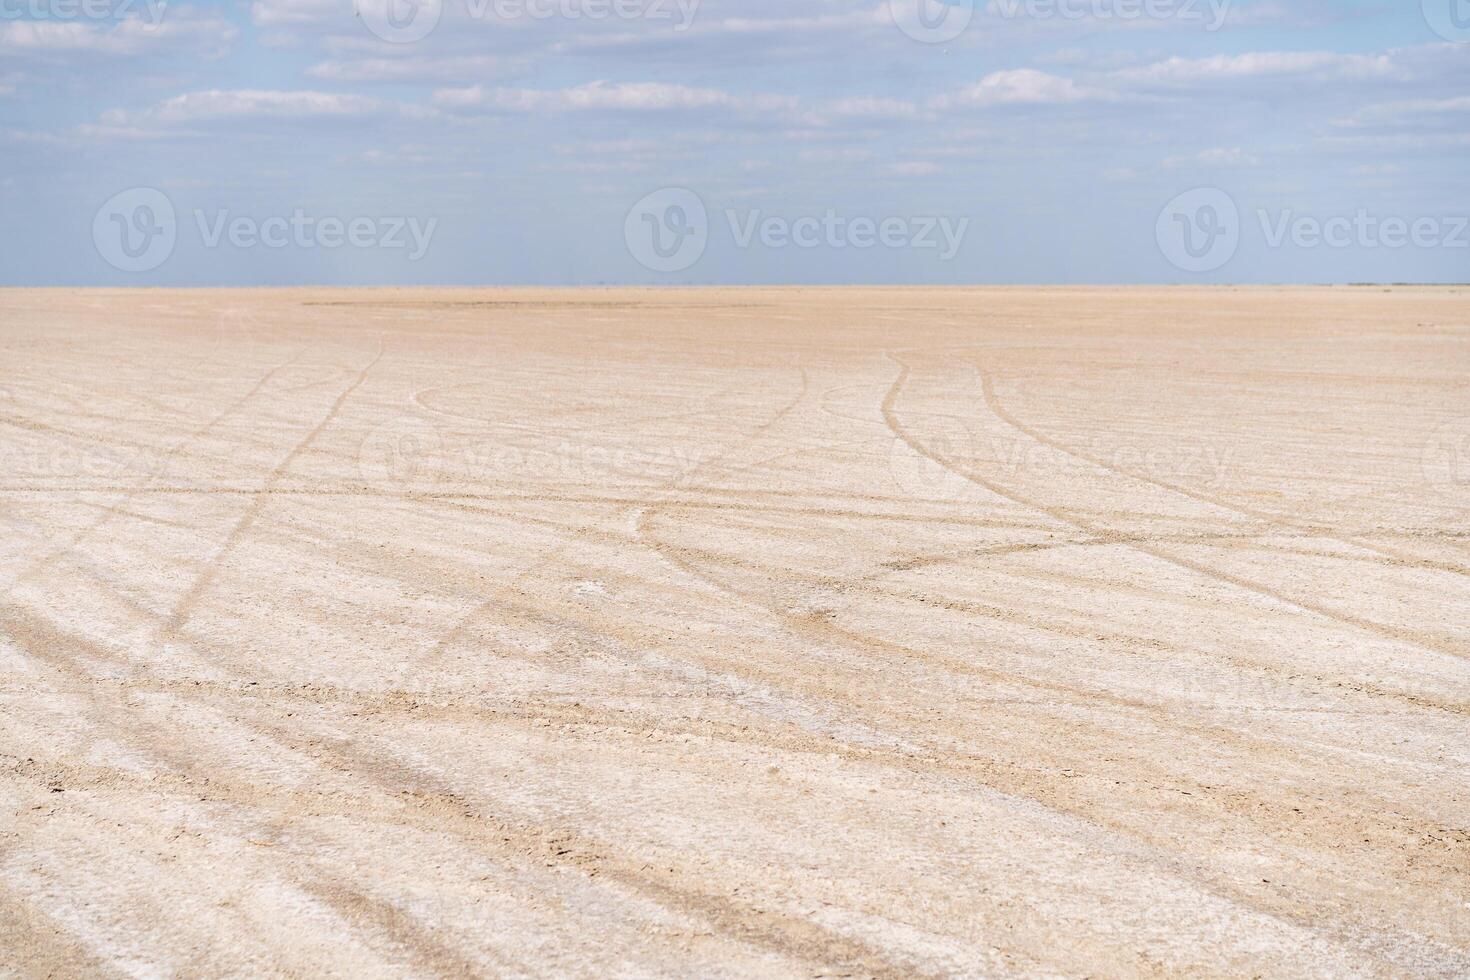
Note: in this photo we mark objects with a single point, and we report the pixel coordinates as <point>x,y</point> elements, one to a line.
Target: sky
<point>581,142</point>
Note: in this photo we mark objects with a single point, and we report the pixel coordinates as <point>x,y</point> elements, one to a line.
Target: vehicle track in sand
<point>789,710</point>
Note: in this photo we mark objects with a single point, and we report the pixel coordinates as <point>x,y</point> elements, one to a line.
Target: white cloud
<point>129,36</point>
<point>1087,58</point>
<point>1021,86</point>
<point>1434,110</point>
<point>214,105</point>
<point>417,156</point>
<point>412,69</point>
<point>1184,72</point>
<point>1219,157</point>
<point>596,167</point>
<point>871,108</point>
<point>1399,111</point>
<point>832,154</point>
<point>862,109</point>
<point>703,31</point>
<point>1376,170</point>
<point>820,24</point>
<point>1398,142</point>
<point>911,168</point>
<point>610,96</point>
<point>27,137</point>
<point>20,37</point>
<point>295,13</point>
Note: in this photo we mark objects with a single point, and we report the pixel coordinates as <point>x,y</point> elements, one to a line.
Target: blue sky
<point>517,140</point>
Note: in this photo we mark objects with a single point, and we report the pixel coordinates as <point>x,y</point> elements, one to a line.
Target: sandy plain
<point>989,632</point>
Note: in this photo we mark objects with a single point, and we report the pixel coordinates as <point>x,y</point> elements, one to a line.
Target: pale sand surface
<point>735,633</point>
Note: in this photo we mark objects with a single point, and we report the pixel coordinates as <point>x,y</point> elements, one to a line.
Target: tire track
<point>443,810</point>
<point>182,609</point>
<point>1061,516</point>
<point>112,510</point>
<point>1271,518</point>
